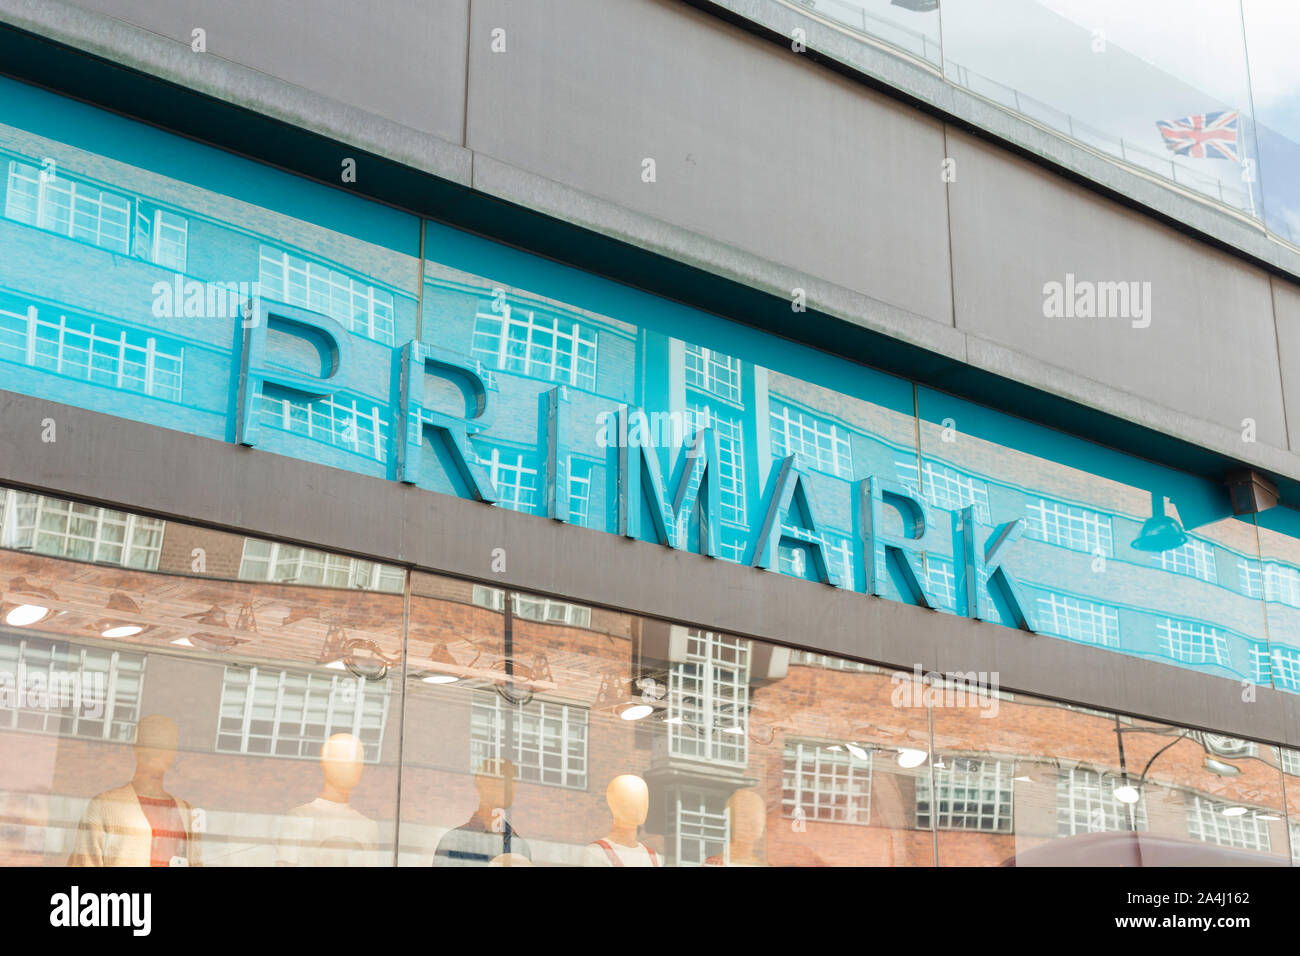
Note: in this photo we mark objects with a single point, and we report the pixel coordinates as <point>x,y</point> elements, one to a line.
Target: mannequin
<point>747,816</point>
<point>328,831</point>
<point>140,823</point>
<point>629,802</point>
<point>487,838</point>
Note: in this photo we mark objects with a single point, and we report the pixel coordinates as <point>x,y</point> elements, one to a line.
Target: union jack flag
<point>1204,136</point>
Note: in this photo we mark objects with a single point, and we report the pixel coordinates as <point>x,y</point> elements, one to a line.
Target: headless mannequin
<point>629,803</point>
<point>327,831</point>
<point>488,838</point>
<point>748,817</point>
<point>140,824</point>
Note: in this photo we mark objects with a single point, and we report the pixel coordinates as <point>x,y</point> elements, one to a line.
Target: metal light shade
<point>1221,768</point>
<point>1160,532</point>
<point>919,6</point>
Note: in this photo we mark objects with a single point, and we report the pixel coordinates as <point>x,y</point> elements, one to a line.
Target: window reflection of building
<point>530,607</point>
<point>549,739</point>
<point>824,781</point>
<point>554,348</point>
<point>284,713</point>
<point>970,793</point>
<point>90,692</point>
<point>700,826</point>
<point>708,699</point>
<point>1207,822</point>
<point>82,532</point>
<point>356,305</point>
<point>1086,803</point>
<point>1078,620</point>
<point>1079,529</point>
<point>291,564</point>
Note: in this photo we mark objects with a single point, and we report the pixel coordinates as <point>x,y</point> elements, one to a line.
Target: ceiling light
<point>35,607</point>
<point>909,757</point>
<point>182,642</point>
<point>1234,811</point>
<point>114,627</point>
<point>857,751</point>
<point>1127,794</point>
<point>440,679</point>
<point>636,711</point>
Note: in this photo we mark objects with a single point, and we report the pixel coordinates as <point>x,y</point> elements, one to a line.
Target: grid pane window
<point>1279,583</point>
<point>82,532</point>
<point>1195,559</point>
<point>701,829</point>
<point>1207,823</point>
<point>359,307</point>
<point>356,426</point>
<point>549,347</point>
<point>290,714</point>
<point>290,564</point>
<point>712,372</point>
<point>580,471</point>
<point>1069,527</point>
<point>162,237</point>
<point>945,487</point>
<point>1078,620</point>
<point>708,699</point>
<point>826,782</point>
<point>1193,643</point>
<point>819,444</point>
<point>550,739</point>
<point>515,477</point>
<point>972,794</point>
<point>1086,803</point>
<point>1289,760</point>
<point>50,200</point>
<point>91,350</point>
<point>1285,668</point>
<point>88,692</point>
<point>533,608</point>
<point>729,431</point>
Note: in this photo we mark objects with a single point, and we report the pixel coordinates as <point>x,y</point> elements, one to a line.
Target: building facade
<point>795,431</point>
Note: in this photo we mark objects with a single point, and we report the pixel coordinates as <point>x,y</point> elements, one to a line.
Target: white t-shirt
<point>639,855</point>
<point>325,833</point>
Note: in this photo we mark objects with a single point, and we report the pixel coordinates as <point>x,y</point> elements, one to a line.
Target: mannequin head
<point>629,800</point>
<point>495,783</point>
<point>748,816</point>
<point>342,759</point>
<point>156,739</point>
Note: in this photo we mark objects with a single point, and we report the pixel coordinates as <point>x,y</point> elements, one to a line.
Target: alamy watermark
<point>1085,299</point>
<point>949,690</point>
<point>53,690</point>
<point>184,298</point>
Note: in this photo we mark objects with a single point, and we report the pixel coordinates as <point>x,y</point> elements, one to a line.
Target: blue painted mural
<point>149,277</point>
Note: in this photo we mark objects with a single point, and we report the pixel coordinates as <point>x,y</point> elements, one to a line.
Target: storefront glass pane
<point>1271,30</point>
<point>908,26</point>
<point>171,695</point>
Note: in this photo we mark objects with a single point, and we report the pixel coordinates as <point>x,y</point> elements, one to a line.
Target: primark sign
<point>667,471</point>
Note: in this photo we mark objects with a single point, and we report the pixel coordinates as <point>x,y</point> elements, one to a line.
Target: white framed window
<point>531,607</point>
<point>1289,761</point>
<point>92,350</point>
<point>729,431</point>
<point>944,487</point>
<point>69,529</point>
<point>1066,526</point>
<point>580,471</point>
<point>1293,834</point>
<point>282,713</point>
<point>708,699</point>
<point>971,794</point>
<point>1086,803</point>
<point>549,347</point>
<point>515,476</point>
<point>794,560</point>
<point>1274,582</point>
<point>701,829</point>
<point>356,305</point>
<point>1207,823</point>
<point>1078,620</point>
<point>1285,667</point>
<point>1260,662</point>
<point>1194,559</point>
<point>827,662</point>
<point>712,372</point>
<point>1193,643</point>
<point>348,423</point>
<point>819,444</point>
<point>941,581</point>
<point>290,564</point>
<point>90,692</point>
<point>49,199</point>
<point>550,739</point>
<point>1232,748</point>
<point>826,782</point>
<point>161,236</point>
